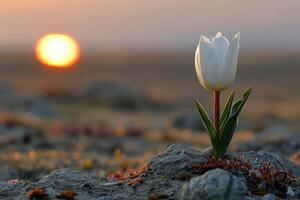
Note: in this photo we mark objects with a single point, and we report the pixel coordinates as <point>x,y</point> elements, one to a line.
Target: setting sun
<point>57,50</point>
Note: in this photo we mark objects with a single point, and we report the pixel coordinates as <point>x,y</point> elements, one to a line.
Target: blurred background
<point>134,83</point>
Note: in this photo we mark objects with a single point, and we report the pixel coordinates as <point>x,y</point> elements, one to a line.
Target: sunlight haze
<point>155,24</point>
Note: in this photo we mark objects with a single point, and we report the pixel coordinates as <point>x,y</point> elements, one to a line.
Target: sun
<point>57,50</point>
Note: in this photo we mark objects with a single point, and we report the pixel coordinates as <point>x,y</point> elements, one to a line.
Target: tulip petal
<point>231,59</point>
<point>198,66</point>
<point>204,39</point>
<point>216,61</point>
<point>220,44</point>
<point>201,71</point>
<point>218,34</point>
<point>206,64</point>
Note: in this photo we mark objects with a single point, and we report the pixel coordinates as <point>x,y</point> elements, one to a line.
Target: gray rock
<point>290,192</point>
<point>37,105</point>
<point>66,178</point>
<point>34,104</point>
<point>51,192</point>
<point>113,95</point>
<point>3,129</point>
<point>4,186</point>
<point>29,103</point>
<point>60,180</point>
<point>277,139</point>
<point>268,197</point>
<point>5,90</point>
<point>8,173</point>
<point>250,198</point>
<point>175,159</point>
<point>12,190</point>
<point>188,120</point>
<point>20,135</point>
<point>216,184</point>
<point>281,132</point>
<point>118,96</point>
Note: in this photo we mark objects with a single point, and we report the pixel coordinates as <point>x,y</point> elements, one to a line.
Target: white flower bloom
<point>216,61</point>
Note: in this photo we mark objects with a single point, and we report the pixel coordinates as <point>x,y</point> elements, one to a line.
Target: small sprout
<point>67,194</point>
<point>37,194</point>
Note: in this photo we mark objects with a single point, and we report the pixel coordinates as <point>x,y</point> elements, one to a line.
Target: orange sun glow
<point>57,50</point>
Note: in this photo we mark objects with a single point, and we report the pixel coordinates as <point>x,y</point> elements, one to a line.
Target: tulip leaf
<point>237,107</point>
<point>227,109</point>
<point>227,132</point>
<point>210,128</point>
<point>230,124</point>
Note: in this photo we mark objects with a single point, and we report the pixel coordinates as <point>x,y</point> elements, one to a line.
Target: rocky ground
<point>109,142</point>
<point>178,173</point>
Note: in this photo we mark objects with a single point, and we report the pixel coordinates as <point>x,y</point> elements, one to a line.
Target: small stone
<point>290,192</point>
<point>215,184</point>
<point>268,197</point>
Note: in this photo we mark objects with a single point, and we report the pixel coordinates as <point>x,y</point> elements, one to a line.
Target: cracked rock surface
<point>170,175</point>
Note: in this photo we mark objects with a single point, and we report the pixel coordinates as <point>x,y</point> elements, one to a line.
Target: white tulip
<point>216,61</point>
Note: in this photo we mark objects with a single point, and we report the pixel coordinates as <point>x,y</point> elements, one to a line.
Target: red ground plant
<point>131,175</point>
<point>235,164</point>
<point>37,194</point>
<point>67,194</point>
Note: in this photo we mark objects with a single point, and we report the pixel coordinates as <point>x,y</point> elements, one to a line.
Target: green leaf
<point>210,128</point>
<point>230,124</point>
<point>227,109</point>
<point>227,133</point>
<point>237,107</point>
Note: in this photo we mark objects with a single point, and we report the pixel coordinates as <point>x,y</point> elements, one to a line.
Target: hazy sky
<point>148,24</point>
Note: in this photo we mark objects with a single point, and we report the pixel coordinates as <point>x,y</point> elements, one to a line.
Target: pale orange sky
<point>150,24</point>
